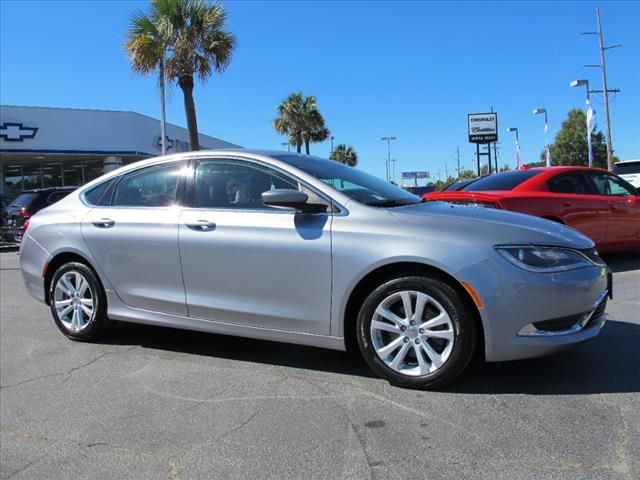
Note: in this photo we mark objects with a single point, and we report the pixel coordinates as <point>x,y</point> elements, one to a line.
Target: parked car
<point>298,249</point>
<point>599,204</point>
<point>24,206</point>
<point>458,185</point>
<point>5,200</point>
<point>629,170</point>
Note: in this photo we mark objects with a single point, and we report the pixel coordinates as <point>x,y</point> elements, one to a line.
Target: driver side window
<point>233,184</point>
<point>609,185</point>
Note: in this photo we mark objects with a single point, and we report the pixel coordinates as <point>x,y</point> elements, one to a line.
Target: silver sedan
<point>299,249</point>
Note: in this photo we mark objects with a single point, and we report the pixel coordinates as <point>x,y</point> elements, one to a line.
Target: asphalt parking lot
<point>159,403</point>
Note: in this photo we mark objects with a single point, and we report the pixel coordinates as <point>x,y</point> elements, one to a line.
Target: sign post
<point>483,130</point>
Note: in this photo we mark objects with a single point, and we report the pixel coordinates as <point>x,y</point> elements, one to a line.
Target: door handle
<point>202,226</point>
<point>104,223</point>
<point>566,204</point>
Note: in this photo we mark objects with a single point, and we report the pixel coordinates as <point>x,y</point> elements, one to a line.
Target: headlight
<point>544,259</point>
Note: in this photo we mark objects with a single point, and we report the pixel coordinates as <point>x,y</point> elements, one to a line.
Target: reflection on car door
<point>249,264</point>
<point>579,207</point>
<point>135,239</point>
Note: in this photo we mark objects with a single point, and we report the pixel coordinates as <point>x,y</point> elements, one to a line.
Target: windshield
<point>501,181</point>
<point>626,168</point>
<point>354,183</point>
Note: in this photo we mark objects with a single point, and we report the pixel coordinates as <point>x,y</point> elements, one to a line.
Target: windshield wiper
<point>389,203</point>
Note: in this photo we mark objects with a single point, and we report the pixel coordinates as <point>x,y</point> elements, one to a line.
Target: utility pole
<point>388,160</point>
<point>605,90</point>
<point>458,159</point>
<point>163,117</point>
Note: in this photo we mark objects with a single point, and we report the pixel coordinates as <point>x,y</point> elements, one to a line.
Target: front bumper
<point>523,311</point>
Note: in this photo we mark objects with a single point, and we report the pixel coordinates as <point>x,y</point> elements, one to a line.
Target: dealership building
<point>48,147</point>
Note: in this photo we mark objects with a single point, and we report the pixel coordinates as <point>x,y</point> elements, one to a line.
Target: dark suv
<point>17,214</point>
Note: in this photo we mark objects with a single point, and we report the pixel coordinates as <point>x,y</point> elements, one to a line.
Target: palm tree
<point>344,154</point>
<point>300,119</point>
<point>191,35</point>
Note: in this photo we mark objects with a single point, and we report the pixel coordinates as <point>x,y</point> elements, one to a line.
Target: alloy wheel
<point>74,301</point>
<point>412,333</point>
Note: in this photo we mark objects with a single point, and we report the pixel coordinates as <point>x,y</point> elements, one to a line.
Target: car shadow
<point>622,261</point>
<point>238,348</point>
<point>607,364</point>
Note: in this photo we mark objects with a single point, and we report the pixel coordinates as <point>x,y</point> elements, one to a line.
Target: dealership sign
<point>483,127</point>
<point>414,175</point>
<point>16,132</point>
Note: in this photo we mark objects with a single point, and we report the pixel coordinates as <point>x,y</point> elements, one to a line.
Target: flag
<point>591,123</point>
<point>546,143</point>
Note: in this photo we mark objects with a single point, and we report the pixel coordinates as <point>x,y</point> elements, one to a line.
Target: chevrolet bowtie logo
<point>16,132</point>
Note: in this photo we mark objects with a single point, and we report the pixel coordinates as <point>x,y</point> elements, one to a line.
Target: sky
<point>412,70</point>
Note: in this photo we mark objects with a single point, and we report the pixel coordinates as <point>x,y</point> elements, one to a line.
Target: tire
<point>81,317</point>
<point>446,342</point>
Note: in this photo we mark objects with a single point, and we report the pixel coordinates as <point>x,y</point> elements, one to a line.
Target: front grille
<point>592,254</point>
<point>558,324</point>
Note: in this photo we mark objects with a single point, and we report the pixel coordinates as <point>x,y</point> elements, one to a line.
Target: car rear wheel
<point>78,302</point>
<point>416,332</point>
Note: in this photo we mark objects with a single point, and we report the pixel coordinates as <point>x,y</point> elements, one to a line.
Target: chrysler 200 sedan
<point>299,249</point>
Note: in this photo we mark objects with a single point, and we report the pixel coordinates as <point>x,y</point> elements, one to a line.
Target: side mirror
<point>291,199</point>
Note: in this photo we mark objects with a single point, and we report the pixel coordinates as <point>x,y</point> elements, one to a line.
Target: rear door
<point>623,229</point>
<point>579,207</point>
<point>134,238</point>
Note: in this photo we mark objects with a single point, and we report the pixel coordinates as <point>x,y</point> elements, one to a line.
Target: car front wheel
<point>416,332</point>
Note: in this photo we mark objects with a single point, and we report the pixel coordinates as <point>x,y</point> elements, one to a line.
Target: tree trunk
<point>306,146</point>
<point>186,84</point>
<point>299,147</point>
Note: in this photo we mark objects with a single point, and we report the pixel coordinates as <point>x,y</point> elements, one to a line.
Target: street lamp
<point>332,138</point>
<point>388,162</point>
<point>287,144</point>
<point>539,111</point>
<point>514,129</point>
<point>393,169</point>
<point>591,114</point>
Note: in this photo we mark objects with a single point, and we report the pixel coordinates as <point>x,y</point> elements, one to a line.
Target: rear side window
<point>569,183</point>
<point>148,187</point>
<point>96,196</point>
<point>501,181</point>
<point>57,196</point>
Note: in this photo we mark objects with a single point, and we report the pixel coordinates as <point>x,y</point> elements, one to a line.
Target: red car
<point>596,202</point>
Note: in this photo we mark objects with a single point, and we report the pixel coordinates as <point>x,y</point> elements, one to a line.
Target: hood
<point>493,225</point>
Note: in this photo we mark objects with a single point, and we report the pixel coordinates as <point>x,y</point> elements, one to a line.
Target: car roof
<point>49,190</point>
<point>636,160</point>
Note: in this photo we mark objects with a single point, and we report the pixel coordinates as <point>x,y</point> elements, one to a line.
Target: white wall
<point>94,131</point>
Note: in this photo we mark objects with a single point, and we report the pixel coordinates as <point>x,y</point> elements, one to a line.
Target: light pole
<point>538,111</point>
<point>514,129</point>
<point>332,138</point>
<point>288,146</point>
<point>591,113</point>
<point>393,169</point>
<point>388,162</point>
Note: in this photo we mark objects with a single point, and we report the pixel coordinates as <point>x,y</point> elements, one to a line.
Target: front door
<point>249,264</point>
<point>135,239</point>
<point>623,229</point>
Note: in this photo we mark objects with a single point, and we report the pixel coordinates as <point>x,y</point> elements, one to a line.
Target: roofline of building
<point>111,111</point>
